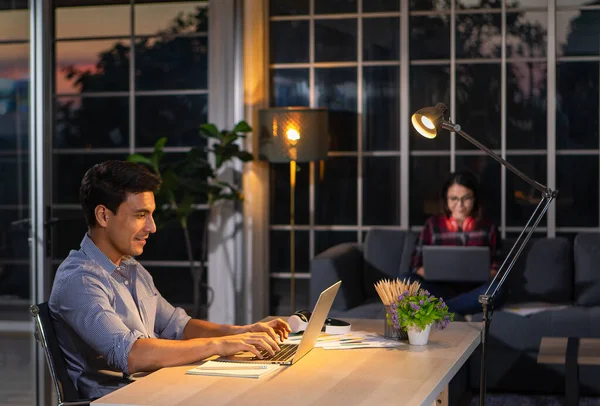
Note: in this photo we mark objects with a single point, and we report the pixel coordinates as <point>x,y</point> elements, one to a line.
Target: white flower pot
<point>416,336</point>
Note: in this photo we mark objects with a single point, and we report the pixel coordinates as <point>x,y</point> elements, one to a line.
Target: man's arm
<point>150,354</point>
<point>277,329</point>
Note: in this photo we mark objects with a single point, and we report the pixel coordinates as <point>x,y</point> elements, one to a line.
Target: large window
<point>373,63</point>
<point>126,74</point>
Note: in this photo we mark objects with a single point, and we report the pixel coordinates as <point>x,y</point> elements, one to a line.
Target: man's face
<point>128,229</point>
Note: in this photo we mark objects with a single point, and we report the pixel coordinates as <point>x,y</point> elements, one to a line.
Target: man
<point>107,312</point>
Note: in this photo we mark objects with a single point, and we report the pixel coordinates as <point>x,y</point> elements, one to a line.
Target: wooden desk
<point>407,375</point>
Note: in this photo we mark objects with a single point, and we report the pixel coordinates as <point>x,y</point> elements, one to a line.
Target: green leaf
<point>209,131</point>
<point>139,159</point>
<point>242,127</point>
<point>245,156</point>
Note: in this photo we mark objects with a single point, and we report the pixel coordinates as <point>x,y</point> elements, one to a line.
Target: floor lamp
<point>427,122</point>
<point>293,134</point>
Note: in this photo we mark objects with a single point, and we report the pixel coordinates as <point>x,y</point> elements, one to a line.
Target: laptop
<point>290,353</point>
<point>456,263</point>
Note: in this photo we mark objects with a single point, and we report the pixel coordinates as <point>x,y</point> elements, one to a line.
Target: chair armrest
<point>343,262</point>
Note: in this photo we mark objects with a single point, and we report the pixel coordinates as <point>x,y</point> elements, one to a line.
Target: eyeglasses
<point>464,200</point>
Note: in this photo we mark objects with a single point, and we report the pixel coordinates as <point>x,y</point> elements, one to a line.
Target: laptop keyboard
<point>285,352</point>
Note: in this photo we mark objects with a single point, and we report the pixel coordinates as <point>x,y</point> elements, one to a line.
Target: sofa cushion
<point>587,269</point>
<point>548,275</point>
<point>387,255</point>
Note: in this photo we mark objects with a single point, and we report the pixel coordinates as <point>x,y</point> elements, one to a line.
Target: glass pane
<point>169,18</point>
<point>577,33</point>
<point>335,88</point>
<point>577,181</point>
<point>288,41</point>
<point>380,5</point>
<point>572,3</point>
<point>328,239</point>
<point>526,34</point>
<point>92,122</point>
<point>521,198</point>
<point>478,35</point>
<point>478,104</point>
<point>381,39</point>
<point>381,107</point>
<point>68,231</point>
<point>487,172</point>
<point>171,235</point>
<point>177,117</point>
<point>526,123</point>
<point>289,87</point>
<point>171,63</point>
<point>14,71</point>
<point>381,191</point>
<point>336,192</point>
<point>478,4</point>
<point>577,105</point>
<point>280,194</point>
<point>280,296</point>
<point>427,176</point>
<point>429,85</point>
<point>429,5</point>
<point>14,25</point>
<point>179,294</point>
<point>288,7</point>
<point>16,368</point>
<point>335,6</point>
<point>15,169</point>
<point>335,40</point>
<point>92,66</point>
<point>529,3</point>
<point>69,170</point>
<point>92,21</point>
<point>429,37</point>
<point>279,251</point>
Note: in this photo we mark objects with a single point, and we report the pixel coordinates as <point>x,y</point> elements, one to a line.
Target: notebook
<point>456,263</point>
<point>290,353</point>
<point>233,369</point>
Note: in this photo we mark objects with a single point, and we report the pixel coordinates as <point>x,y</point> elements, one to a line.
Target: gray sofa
<point>550,270</point>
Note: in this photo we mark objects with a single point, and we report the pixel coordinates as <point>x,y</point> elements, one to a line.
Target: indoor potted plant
<point>416,312</point>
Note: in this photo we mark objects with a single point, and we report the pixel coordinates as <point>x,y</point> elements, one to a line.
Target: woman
<point>460,224</point>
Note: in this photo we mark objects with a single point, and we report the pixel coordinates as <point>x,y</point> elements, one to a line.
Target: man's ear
<point>102,214</point>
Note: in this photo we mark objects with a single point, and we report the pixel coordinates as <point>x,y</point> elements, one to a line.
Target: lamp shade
<point>298,134</point>
<point>427,120</point>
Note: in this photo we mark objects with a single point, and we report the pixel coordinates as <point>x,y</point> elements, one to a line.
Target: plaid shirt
<point>436,232</point>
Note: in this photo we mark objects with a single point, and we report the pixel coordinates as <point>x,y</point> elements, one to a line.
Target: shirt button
<point>126,282</point>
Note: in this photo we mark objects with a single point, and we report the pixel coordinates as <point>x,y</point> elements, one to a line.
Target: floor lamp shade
<point>294,134</point>
<point>290,135</point>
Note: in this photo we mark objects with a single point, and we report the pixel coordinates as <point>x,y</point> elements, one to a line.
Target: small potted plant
<point>417,312</point>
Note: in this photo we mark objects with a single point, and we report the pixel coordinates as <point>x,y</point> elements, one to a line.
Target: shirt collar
<point>94,253</point>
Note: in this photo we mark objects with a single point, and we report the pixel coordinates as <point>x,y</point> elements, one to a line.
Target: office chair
<point>45,336</point>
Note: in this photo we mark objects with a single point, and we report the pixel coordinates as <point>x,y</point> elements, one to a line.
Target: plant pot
<point>416,336</point>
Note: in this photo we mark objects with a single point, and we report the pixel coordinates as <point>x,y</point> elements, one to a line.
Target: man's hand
<point>421,272</point>
<point>276,329</point>
<point>251,342</point>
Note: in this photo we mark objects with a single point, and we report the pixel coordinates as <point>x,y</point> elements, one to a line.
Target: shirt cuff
<point>119,356</point>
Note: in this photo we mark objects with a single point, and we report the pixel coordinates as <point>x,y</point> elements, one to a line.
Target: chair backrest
<point>46,337</point>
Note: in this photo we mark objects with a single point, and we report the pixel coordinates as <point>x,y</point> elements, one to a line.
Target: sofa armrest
<point>343,262</point>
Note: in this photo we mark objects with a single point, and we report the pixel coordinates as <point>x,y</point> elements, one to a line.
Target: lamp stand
<point>487,299</point>
<point>292,234</point>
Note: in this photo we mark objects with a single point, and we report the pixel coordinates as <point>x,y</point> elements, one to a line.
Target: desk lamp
<point>427,121</point>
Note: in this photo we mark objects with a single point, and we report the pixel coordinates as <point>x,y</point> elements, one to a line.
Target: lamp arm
<point>456,128</point>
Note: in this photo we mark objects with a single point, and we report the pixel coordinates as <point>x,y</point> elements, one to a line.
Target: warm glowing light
<point>293,134</point>
<point>427,123</point>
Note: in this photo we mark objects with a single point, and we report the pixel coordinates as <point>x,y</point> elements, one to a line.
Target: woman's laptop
<point>290,353</point>
<point>456,263</point>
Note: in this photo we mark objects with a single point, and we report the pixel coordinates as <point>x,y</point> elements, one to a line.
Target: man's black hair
<point>109,182</point>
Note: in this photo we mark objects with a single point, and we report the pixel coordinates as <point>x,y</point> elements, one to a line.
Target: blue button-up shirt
<point>100,309</point>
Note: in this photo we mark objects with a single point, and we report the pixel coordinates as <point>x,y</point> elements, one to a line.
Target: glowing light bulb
<point>293,134</point>
<point>427,123</point>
